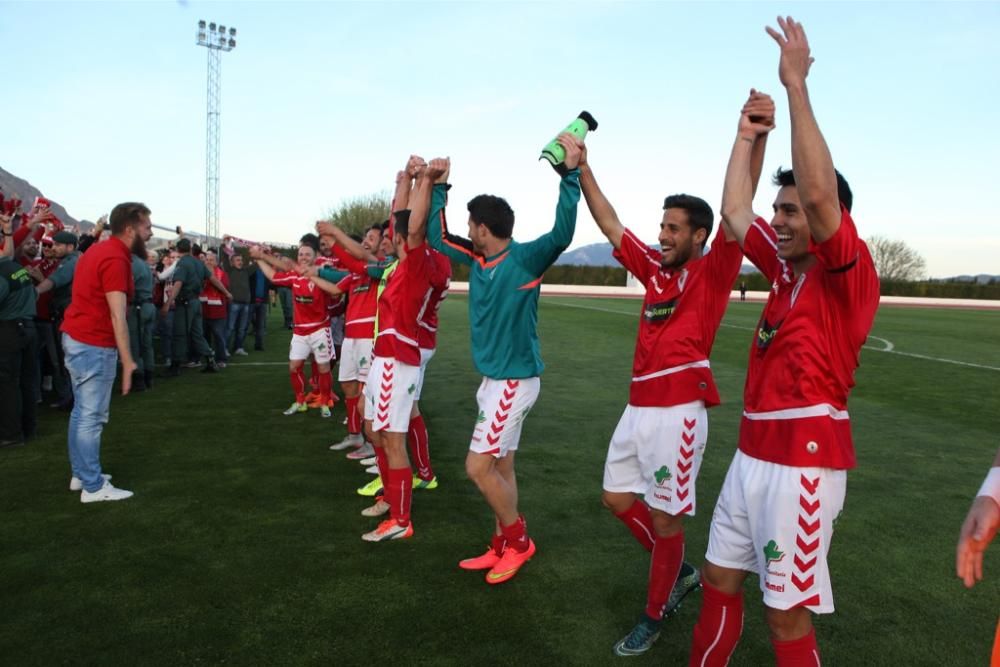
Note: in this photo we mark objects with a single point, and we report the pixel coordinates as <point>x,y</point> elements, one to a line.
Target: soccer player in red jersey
<point>311,331</point>
<point>786,484</point>
<point>657,447</point>
<point>395,371</point>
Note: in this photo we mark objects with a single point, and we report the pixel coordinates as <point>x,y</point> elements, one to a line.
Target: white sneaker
<point>370,461</point>
<point>352,440</point>
<point>378,509</point>
<point>76,484</point>
<point>106,492</point>
<point>372,470</point>
<point>240,352</point>
<point>362,452</point>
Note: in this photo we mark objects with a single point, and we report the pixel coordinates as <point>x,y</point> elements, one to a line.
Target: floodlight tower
<point>216,39</point>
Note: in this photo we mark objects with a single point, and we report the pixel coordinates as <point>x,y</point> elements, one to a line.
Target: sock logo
<point>772,554</point>
<point>662,475</point>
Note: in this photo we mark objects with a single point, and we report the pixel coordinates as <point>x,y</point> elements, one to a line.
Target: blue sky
<point>324,101</point>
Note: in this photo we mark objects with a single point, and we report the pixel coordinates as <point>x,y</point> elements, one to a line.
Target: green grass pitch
<point>242,544</point>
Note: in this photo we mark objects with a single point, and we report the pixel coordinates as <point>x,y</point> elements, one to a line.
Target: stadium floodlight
<point>216,43</point>
<point>232,32</point>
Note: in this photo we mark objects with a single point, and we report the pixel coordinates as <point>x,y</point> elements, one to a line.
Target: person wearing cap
<point>189,277</point>
<point>95,338</point>
<point>141,319</point>
<point>18,361</point>
<point>60,283</point>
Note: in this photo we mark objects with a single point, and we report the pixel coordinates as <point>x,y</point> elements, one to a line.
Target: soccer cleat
<point>428,484</point>
<point>372,470</point>
<point>324,412</point>
<point>378,509</point>
<point>106,492</point>
<point>510,563</point>
<point>193,364</point>
<point>76,484</point>
<point>352,440</point>
<point>370,461</point>
<point>484,562</point>
<point>240,352</point>
<point>295,407</point>
<point>363,452</point>
<point>688,579</point>
<point>389,530</point>
<point>640,639</point>
<point>371,488</point>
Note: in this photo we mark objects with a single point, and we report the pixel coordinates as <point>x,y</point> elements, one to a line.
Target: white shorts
<point>318,344</point>
<point>355,360</point>
<point>778,521</point>
<point>657,451</point>
<point>425,358</point>
<point>503,405</point>
<point>389,395</point>
<point>337,329</point>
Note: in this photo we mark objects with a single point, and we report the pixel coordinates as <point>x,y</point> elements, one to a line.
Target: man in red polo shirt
<point>786,484</point>
<point>95,334</point>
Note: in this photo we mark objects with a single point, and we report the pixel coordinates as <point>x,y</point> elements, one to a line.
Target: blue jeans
<point>215,330</point>
<point>239,318</point>
<point>92,371</point>
<point>259,324</point>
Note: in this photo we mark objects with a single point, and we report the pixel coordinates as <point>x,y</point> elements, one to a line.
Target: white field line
<point>887,344</point>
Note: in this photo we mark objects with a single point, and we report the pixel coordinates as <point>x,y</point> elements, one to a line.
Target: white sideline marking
<point>889,347</point>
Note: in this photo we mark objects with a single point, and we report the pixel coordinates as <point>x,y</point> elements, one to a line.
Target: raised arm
<point>600,208</point>
<point>340,238</point>
<point>420,203</point>
<point>263,262</point>
<point>815,178</point>
<point>453,246</point>
<point>326,286</point>
<point>6,225</point>
<point>745,165</point>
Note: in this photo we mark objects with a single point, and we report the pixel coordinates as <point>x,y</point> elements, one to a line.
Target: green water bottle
<point>555,153</point>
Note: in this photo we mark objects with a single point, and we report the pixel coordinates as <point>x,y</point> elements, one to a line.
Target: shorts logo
<point>657,312</point>
<point>662,476</point>
<point>772,554</point>
<point>322,347</point>
<point>481,418</point>
<point>362,362</point>
<point>412,388</point>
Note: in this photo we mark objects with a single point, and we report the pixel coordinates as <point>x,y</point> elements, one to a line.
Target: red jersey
<point>105,267</point>
<point>427,317</point>
<point>309,311</point>
<point>408,290</point>
<point>681,313</point>
<point>213,303</point>
<point>362,297</point>
<point>806,348</point>
<point>336,305</point>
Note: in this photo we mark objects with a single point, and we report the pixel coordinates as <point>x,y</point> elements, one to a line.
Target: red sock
<point>719,627</point>
<point>313,374</point>
<point>801,652</point>
<point>400,486</point>
<point>417,439</point>
<point>325,387</point>
<point>516,534</point>
<point>353,416</point>
<point>636,519</point>
<point>382,461</point>
<point>668,554</point>
<point>499,543</point>
<point>298,379</point>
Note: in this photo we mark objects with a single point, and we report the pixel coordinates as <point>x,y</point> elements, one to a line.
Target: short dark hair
<point>310,240</point>
<point>184,245</point>
<point>126,215</point>
<point>784,177</point>
<point>495,213</point>
<point>699,213</point>
<point>356,238</point>
<point>377,227</point>
<point>402,227</point>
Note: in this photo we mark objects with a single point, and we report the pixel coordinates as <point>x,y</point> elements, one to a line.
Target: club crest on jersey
<point>657,312</point>
<point>766,333</point>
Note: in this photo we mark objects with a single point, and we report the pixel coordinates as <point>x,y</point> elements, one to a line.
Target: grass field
<point>242,543</point>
